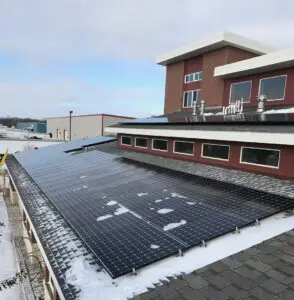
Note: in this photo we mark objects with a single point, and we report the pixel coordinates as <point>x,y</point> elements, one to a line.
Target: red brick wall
<point>289,92</point>
<point>174,84</point>
<point>212,89</point>
<point>286,167</point>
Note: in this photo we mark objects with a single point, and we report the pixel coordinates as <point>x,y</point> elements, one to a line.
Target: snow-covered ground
<point>14,146</point>
<point>8,260</point>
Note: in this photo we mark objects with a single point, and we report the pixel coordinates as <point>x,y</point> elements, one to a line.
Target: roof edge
<point>217,41</point>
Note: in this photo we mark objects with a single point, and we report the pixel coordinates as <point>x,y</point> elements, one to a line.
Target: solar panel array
<point>131,214</point>
<point>252,118</point>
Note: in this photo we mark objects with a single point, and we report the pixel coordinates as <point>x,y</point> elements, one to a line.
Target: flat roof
<point>92,115</point>
<point>217,41</point>
<point>269,62</point>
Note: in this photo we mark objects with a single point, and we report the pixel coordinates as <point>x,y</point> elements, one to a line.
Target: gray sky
<point>50,50</point>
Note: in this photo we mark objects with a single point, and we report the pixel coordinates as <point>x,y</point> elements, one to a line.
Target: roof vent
<point>260,103</point>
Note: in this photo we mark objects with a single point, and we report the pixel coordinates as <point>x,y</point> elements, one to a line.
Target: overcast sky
<point>98,56</point>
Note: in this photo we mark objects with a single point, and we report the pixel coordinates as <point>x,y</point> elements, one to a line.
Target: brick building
<point>218,73</point>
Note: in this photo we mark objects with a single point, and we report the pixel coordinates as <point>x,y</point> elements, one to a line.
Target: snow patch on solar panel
<point>174,225</point>
<point>157,201</point>
<point>164,211</point>
<point>142,194</point>
<point>110,203</point>
<point>121,210</point>
<point>174,195</point>
<point>101,218</point>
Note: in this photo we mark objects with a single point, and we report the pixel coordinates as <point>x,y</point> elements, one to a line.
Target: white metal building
<point>82,126</point>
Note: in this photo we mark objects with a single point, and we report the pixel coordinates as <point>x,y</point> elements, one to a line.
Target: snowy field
<point>8,262</point>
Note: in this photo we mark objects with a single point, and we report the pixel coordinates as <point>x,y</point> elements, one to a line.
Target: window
<point>240,90</point>
<point>215,151</point>
<point>273,88</point>
<point>141,142</point>
<point>259,156</point>
<point>126,140</point>
<point>184,147</point>
<point>193,77</point>
<point>191,96</point>
<point>158,144</point>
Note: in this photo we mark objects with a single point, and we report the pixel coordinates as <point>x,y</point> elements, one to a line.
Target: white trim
<point>216,158</point>
<point>234,136</point>
<point>243,98</point>
<point>269,62</point>
<point>182,153</point>
<point>198,90</point>
<point>159,149</point>
<point>46,261</point>
<point>284,75</point>
<point>215,42</point>
<point>145,138</point>
<point>260,165</point>
<point>129,145</point>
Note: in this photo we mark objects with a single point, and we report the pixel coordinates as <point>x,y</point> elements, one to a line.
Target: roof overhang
<point>270,62</point>
<point>232,136</point>
<point>218,41</point>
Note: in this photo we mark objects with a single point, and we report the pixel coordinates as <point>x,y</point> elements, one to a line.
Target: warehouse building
<point>82,126</point>
<point>40,127</point>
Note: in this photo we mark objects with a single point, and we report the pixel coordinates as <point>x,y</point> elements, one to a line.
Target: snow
<point>93,285</point>
<point>104,217</point>
<point>174,225</point>
<point>110,203</point>
<point>280,111</point>
<point>166,198</point>
<point>157,201</point>
<point>121,210</point>
<point>142,194</point>
<point>152,246</point>
<point>177,195</point>
<point>8,258</point>
<point>83,176</point>
<point>152,208</point>
<point>190,203</point>
<point>164,211</point>
<point>98,285</point>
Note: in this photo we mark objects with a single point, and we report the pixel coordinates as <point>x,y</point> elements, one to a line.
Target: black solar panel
<point>252,118</point>
<point>131,214</point>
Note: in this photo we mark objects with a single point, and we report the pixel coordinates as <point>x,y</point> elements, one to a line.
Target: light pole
<point>70,113</point>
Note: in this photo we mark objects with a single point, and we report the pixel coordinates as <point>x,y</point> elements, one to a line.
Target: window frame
<point>239,83</point>
<point>182,153</point>
<point>121,142</point>
<point>259,165</point>
<point>281,99</point>
<point>198,90</point>
<point>216,158</point>
<point>155,149</point>
<point>138,137</point>
<point>186,80</point>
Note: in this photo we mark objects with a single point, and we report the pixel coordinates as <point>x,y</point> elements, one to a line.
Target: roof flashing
<point>215,42</point>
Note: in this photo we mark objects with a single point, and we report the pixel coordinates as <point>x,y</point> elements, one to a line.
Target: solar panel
<point>251,118</point>
<point>131,214</point>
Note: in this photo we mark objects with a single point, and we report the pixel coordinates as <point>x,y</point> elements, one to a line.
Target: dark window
<point>159,144</point>
<point>141,142</point>
<point>273,88</point>
<point>257,156</point>
<point>191,96</point>
<point>215,151</point>
<point>126,140</point>
<point>240,90</point>
<point>184,147</point>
